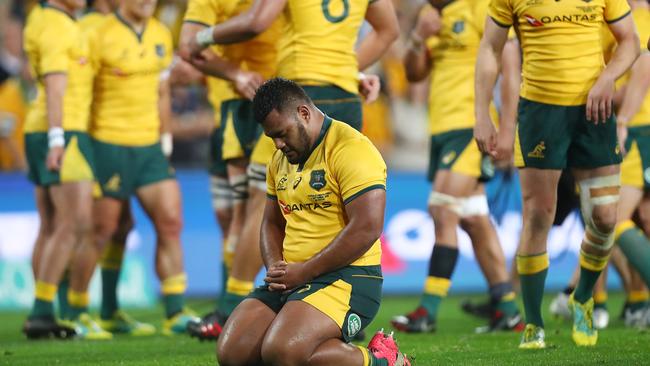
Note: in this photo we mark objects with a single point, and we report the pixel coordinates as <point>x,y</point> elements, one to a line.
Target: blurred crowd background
<point>396,123</point>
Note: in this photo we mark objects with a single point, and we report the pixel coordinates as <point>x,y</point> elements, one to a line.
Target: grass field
<point>454,343</point>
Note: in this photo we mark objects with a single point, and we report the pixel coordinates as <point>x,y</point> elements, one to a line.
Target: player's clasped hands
<point>283,276</point>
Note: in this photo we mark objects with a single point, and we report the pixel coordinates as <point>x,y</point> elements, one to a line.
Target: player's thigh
<point>242,336</point>
<point>296,332</point>
<point>73,203</point>
<point>45,210</point>
<point>162,203</point>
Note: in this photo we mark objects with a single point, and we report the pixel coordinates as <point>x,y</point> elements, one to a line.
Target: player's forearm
<point>55,85</point>
<point>271,238</point>
<point>636,89</point>
<point>417,63</point>
<point>510,83</point>
<point>487,70</point>
<point>216,66</point>
<point>627,51</point>
<point>374,46</point>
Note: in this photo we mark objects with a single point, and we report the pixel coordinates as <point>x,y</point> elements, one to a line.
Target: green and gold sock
<point>79,302</point>
<point>43,300</point>
<point>111,265</point>
<point>636,247</point>
<point>504,298</point>
<point>62,295</point>
<point>441,267</point>
<point>236,292</point>
<point>173,290</point>
<point>532,274</point>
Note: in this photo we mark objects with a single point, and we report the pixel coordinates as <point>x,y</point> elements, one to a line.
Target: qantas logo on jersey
<point>288,208</point>
<point>532,21</point>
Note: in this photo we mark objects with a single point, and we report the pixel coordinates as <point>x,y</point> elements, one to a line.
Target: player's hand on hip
<point>247,83</point>
<point>54,158</point>
<point>621,133</point>
<point>369,86</point>
<point>600,99</point>
<point>486,136</point>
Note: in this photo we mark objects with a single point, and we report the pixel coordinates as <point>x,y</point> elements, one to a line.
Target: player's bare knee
<point>169,225</point>
<point>231,355</point>
<point>104,230</point>
<point>279,352</point>
<point>539,218</point>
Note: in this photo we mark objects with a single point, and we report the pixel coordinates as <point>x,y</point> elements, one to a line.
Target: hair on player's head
<point>277,94</point>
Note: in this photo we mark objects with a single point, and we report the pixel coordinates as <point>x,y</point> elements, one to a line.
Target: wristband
<point>166,144</point>
<point>55,137</point>
<point>204,37</point>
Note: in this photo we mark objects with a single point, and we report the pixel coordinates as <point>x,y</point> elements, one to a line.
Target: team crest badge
<point>458,27</point>
<point>354,324</point>
<point>160,50</point>
<point>317,180</point>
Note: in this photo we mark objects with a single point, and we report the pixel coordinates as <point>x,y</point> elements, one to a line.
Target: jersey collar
<point>56,8</point>
<point>327,122</point>
<point>128,25</point>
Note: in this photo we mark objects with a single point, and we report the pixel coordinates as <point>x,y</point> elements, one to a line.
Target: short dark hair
<point>278,94</point>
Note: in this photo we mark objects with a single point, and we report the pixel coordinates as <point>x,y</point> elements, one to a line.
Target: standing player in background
<point>565,120</point>
<point>131,55</point>
<point>112,319</point>
<point>320,243</point>
<point>444,44</point>
<point>59,151</point>
<point>316,49</point>
<point>245,66</point>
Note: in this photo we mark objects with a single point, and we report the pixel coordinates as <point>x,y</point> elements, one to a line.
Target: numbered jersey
<point>318,40</point>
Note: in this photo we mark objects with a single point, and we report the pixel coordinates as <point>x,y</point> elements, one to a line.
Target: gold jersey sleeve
<point>561,44</point>
<point>642,21</point>
<point>312,198</point>
<point>129,67</point>
<point>453,53</point>
<point>318,40</point>
<point>54,43</point>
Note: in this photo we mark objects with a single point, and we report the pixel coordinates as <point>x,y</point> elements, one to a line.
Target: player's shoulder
<point>91,20</point>
<point>159,28</point>
<point>344,143</point>
<point>52,18</point>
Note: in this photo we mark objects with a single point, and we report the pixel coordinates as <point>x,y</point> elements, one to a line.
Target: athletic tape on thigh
<point>257,176</point>
<point>239,185</point>
<point>475,206</point>
<point>445,200</point>
<point>222,195</point>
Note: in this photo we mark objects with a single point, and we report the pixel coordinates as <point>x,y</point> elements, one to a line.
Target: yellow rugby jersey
<point>91,20</point>
<point>317,44</point>
<point>129,67</point>
<point>561,43</point>
<point>258,54</point>
<point>454,52</point>
<point>343,165</point>
<point>54,43</point>
<point>218,91</point>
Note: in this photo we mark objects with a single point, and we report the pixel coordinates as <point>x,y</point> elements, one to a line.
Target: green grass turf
<point>454,343</point>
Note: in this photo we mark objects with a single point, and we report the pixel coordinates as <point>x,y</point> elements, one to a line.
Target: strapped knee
<point>475,206</point>
<point>222,195</point>
<point>257,176</point>
<point>455,204</point>
<point>239,186</point>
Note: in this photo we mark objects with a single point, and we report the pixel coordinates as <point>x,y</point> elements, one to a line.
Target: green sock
<point>173,304</point>
<point>42,308</point>
<point>229,302</point>
<point>636,247</point>
<point>224,280</point>
<point>78,303</point>
<point>532,274</point>
<point>110,279</point>
<point>62,296</point>
<point>374,361</point>
<point>75,311</point>
<point>431,303</point>
<point>635,306</point>
<point>586,284</point>
<point>503,295</point>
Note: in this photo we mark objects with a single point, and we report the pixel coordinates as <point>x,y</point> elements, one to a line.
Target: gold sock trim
<point>593,262</point>
<point>174,285</point>
<point>437,286</point>
<point>600,297</point>
<point>638,296</point>
<point>366,356</point>
<point>238,287</point>
<point>623,227</point>
<point>78,299</point>
<point>45,291</point>
<point>531,264</point>
<point>112,256</point>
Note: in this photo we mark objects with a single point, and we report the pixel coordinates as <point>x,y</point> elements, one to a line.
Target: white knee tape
<point>475,206</point>
<point>239,186</point>
<point>257,176</point>
<point>221,193</point>
<point>593,193</point>
<point>596,239</point>
<point>444,200</point>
